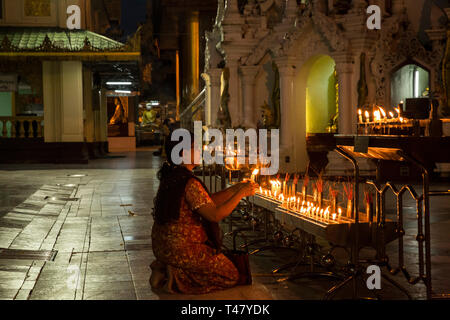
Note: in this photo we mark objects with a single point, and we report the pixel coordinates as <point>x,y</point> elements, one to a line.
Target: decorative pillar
<point>51,83</point>
<point>287,73</point>
<point>103,125</point>
<point>249,110</point>
<point>89,121</point>
<point>63,101</point>
<point>234,103</point>
<point>215,82</point>
<point>347,101</point>
<point>72,101</point>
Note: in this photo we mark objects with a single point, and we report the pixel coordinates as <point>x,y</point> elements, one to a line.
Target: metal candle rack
<point>358,231</point>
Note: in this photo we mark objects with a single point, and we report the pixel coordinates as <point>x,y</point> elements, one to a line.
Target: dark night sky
<point>133,13</point>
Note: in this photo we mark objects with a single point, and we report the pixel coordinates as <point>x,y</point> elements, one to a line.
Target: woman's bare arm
<point>224,195</point>
<point>216,213</point>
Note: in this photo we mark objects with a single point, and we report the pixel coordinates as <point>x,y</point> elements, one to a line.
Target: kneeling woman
<point>186,260</point>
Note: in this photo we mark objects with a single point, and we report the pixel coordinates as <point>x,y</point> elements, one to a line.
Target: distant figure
<point>149,116</point>
<point>119,114</point>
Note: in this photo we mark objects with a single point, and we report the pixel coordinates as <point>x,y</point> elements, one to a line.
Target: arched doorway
<point>321,99</point>
<point>316,100</point>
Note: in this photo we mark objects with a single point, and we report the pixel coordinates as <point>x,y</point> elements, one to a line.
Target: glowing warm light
<point>383,112</point>
<point>367,115</point>
<point>377,115</point>
<point>255,172</point>
<point>391,114</point>
<point>334,216</point>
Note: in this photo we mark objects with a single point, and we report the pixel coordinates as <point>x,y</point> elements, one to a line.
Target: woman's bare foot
<point>168,287</point>
<point>158,276</point>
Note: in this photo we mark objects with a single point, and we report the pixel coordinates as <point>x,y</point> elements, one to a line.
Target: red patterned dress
<point>197,267</point>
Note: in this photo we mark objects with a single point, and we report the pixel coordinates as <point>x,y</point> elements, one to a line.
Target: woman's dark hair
<point>173,179</point>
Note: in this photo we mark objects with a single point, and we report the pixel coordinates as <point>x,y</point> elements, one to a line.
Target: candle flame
<point>334,216</point>
<point>377,115</point>
<point>255,172</point>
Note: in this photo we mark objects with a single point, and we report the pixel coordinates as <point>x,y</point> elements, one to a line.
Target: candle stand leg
<point>311,250</point>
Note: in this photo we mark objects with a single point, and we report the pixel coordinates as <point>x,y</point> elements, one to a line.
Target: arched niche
<point>409,80</point>
<point>320,95</point>
<point>315,102</point>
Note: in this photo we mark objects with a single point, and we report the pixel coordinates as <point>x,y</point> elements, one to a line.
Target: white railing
<point>21,127</point>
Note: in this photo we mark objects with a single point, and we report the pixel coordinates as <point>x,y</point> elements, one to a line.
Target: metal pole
<point>355,255</point>
<point>426,209</point>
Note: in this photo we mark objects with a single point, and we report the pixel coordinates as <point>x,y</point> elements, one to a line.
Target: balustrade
<point>21,127</point>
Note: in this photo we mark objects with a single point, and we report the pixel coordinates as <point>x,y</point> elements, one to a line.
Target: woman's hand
<point>248,188</point>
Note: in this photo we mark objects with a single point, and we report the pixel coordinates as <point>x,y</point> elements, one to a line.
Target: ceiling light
<point>124,83</point>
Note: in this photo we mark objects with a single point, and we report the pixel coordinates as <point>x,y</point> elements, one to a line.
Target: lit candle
<point>383,112</point>
<point>360,117</point>
<point>254,174</point>
<point>377,115</point>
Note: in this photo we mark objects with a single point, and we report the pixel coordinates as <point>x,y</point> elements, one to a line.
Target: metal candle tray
<point>340,233</point>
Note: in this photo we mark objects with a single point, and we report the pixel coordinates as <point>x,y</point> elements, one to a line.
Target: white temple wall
<point>316,34</point>
<point>264,83</point>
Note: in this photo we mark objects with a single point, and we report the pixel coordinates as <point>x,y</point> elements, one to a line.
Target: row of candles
<point>300,203</point>
<point>380,116</point>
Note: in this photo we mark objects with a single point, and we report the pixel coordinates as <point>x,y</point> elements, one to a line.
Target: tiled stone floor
<point>103,238</point>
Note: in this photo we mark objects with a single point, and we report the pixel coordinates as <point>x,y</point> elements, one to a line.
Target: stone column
<point>72,101</point>
<point>103,125</point>
<point>89,121</point>
<point>51,82</point>
<point>215,82</point>
<point>287,72</point>
<point>234,103</point>
<point>249,110</point>
<point>63,101</point>
<point>347,102</point>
